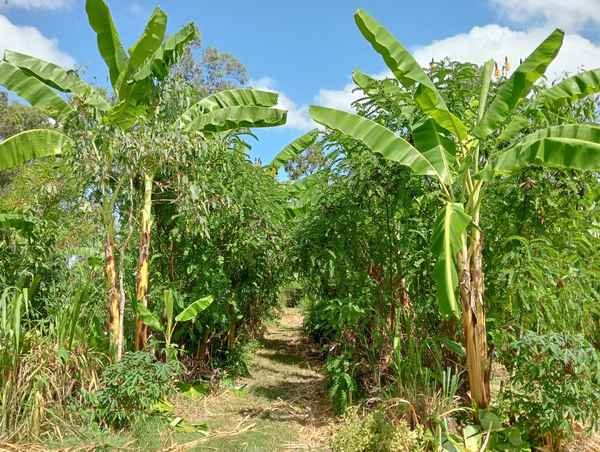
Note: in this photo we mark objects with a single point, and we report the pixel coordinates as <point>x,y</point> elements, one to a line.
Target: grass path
<point>283,405</point>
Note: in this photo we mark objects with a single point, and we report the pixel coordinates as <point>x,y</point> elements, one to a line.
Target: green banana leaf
<point>571,147</point>
<point>513,90</point>
<point>231,118</point>
<point>31,144</point>
<point>142,52</point>
<point>294,149</point>
<point>436,148</point>
<point>486,80</point>
<point>573,88</point>
<point>37,93</point>
<point>446,243</point>
<point>167,54</point>
<point>229,98</point>
<point>125,114</point>
<point>193,310</point>
<point>383,141</point>
<point>514,127</point>
<point>56,77</point>
<point>148,317</point>
<point>408,72</point>
<point>109,43</point>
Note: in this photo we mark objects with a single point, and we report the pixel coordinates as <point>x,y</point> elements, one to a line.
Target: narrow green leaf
<point>31,144</point>
<point>408,72</point>
<point>379,139</point>
<point>231,118</point>
<point>109,43</point>
<point>193,310</point>
<point>513,90</point>
<point>37,93</point>
<point>294,149</point>
<point>373,88</point>
<point>571,147</point>
<point>573,88</point>
<point>486,79</point>
<point>446,243</point>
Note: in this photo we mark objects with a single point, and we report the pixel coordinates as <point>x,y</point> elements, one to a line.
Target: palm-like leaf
<point>148,317</point>
<point>193,310</point>
<point>408,72</point>
<point>230,118</point>
<point>571,147</point>
<point>294,149</point>
<point>109,43</point>
<point>167,54</point>
<point>446,243</point>
<point>125,114</point>
<point>513,90</point>
<point>383,141</point>
<point>230,98</point>
<point>140,53</point>
<point>36,92</point>
<point>573,88</point>
<point>31,144</point>
<point>56,77</point>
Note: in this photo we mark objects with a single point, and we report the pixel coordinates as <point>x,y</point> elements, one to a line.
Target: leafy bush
<point>555,381</point>
<point>132,386</point>
<point>341,382</point>
<point>374,432</point>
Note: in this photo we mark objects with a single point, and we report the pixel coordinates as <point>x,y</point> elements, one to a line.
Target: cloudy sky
<point>306,50</point>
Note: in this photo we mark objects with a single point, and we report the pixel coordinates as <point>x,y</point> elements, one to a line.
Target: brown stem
<point>473,318</point>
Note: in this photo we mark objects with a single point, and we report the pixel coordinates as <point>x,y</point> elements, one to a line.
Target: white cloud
<point>29,40</point>
<point>297,117</point>
<point>33,4</point>
<point>481,44</point>
<point>340,99</point>
<point>497,42</point>
<point>568,14</point>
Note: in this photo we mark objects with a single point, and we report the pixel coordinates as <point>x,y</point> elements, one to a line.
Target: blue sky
<point>307,49</point>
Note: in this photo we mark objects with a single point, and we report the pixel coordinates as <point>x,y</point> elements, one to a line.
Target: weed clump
<point>375,433</point>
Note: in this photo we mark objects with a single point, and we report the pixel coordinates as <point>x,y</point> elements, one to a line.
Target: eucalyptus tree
<point>136,76</point>
<point>462,155</point>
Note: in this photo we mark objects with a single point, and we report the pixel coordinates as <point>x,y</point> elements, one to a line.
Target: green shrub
<point>340,381</point>
<point>555,381</point>
<point>130,387</point>
<point>375,433</point>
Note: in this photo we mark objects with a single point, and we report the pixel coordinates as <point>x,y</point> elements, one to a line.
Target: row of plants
<point>148,251</point>
<point>446,236</point>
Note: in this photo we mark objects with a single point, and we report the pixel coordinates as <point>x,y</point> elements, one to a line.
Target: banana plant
<point>447,149</point>
<point>190,313</point>
<point>136,76</point>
